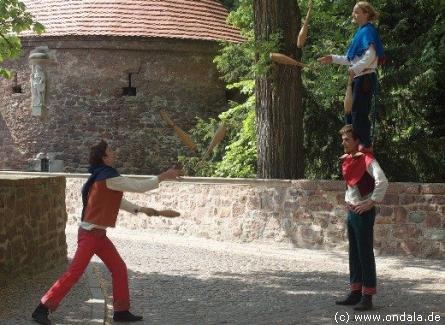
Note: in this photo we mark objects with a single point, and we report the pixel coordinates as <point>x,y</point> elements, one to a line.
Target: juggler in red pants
<point>90,242</point>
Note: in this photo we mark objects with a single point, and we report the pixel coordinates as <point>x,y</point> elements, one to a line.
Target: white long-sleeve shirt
<point>353,196</point>
<point>126,184</point>
<point>367,63</point>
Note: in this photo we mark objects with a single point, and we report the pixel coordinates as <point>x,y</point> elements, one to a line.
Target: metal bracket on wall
<point>129,91</point>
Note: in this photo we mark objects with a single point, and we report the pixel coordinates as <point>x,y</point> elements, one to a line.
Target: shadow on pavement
<point>269,297</point>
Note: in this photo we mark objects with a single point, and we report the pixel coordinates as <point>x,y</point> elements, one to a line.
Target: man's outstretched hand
<point>172,173</point>
<point>327,59</point>
<point>163,213</point>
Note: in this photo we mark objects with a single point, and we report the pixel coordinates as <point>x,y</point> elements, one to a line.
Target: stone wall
<point>85,102</point>
<point>32,224</point>
<point>310,214</point>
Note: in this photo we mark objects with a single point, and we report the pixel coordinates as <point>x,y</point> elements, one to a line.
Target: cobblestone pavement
<point>185,280</point>
<point>180,280</point>
<point>21,296</point>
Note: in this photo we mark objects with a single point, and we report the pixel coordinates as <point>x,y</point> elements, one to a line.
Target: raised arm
<point>127,184</point>
<point>331,58</point>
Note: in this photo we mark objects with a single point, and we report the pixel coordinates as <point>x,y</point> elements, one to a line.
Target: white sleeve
<point>365,61</point>
<point>128,206</point>
<point>381,182</point>
<point>126,184</point>
<point>340,59</point>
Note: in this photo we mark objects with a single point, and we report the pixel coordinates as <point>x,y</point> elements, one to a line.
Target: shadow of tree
<point>201,294</point>
<point>276,297</point>
<point>22,294</point>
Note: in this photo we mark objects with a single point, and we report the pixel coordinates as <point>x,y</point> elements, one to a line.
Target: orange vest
<point>103,205</point>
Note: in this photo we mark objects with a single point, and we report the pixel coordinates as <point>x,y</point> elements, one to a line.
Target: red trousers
<point>90,243</point>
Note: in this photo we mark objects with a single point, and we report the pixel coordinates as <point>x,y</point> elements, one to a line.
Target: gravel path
<point>180,280</point>
<point>185,280</point>
<point>21,296</point>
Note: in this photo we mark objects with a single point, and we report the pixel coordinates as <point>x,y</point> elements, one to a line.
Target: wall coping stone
<point>24,180</point>
<point>333,185</point>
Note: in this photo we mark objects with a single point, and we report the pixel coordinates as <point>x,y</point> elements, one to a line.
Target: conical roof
<point>185,19</point>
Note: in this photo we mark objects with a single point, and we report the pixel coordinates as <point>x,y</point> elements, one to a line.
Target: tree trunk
<point>279,111</point>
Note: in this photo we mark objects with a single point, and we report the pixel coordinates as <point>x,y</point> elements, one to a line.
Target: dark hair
<point>97,153</point>
<point>349,129</point>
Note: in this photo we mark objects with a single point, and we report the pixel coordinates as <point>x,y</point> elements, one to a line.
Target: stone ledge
<point>300,212</point>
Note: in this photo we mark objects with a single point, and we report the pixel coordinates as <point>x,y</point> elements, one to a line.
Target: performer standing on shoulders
<point>362,57</point>
<point>366,186</point>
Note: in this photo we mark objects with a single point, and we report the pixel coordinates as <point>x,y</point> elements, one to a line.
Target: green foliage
<point>245,60</point>
<point>239,158</point>
<point>412,128</point>
<point>410,137</point>
<point>410,140</point>
<point>236,59</point>
<point>235,156</point>
<point>13,20</point>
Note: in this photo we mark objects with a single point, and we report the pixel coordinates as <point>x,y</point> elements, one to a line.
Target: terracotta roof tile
<point>189,19</point>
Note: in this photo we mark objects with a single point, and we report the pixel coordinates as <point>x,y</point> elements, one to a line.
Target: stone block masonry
<point>32,224</point>
<point>85,101</point>
<point>310,214</point>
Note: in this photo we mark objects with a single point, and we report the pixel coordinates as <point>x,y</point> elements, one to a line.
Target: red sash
<point>354,167</point>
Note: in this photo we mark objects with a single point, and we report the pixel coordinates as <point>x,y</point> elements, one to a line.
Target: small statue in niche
<point>39,58</point>
<point>38,88</point>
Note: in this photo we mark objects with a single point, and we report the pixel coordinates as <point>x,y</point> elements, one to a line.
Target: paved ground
<point>177,280</point>
<point>180,280</point>
<point>21,296</point>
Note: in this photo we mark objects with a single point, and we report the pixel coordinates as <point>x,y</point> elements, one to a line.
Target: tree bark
<point>279,111</point>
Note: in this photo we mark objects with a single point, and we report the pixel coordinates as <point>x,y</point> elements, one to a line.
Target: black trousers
<point>363,88</point>
<point>361,255</point>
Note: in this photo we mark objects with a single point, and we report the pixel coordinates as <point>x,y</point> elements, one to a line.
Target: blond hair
<point>367,8</point>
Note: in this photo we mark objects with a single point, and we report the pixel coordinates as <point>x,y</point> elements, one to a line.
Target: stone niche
<point>32,224</point>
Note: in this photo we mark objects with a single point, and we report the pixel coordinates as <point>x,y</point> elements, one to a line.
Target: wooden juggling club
<point>284,59</point>
<point>217,138</point>
<point>302,35</point>
<point>347,103</point>
<point>185,138</point>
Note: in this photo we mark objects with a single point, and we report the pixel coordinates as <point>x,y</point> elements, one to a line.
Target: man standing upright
<point>366,186</point>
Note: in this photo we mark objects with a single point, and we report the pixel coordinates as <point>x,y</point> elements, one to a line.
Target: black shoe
<point>365,303</point>
<point>352,299</point>
<point>125,316</point>
<point>40,315</point>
